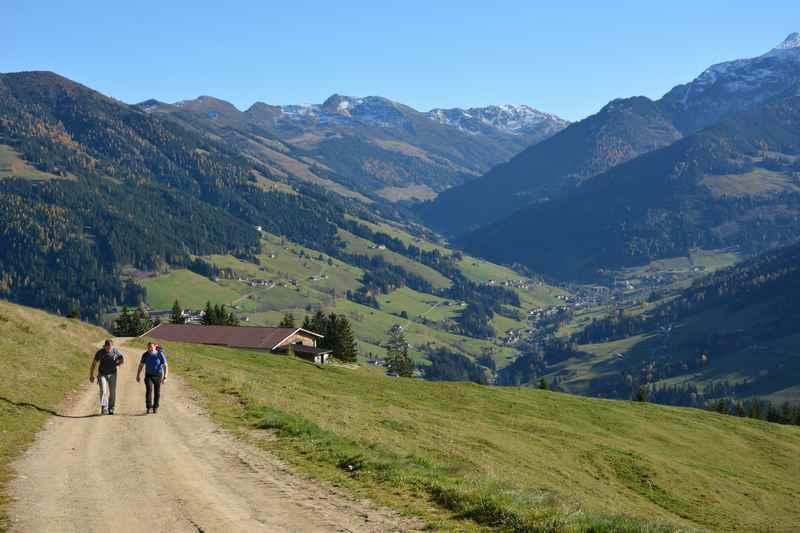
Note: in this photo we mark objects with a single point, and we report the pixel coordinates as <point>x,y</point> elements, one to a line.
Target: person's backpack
<point>162,357</point>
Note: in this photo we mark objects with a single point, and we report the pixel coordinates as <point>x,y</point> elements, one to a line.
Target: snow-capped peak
<point>792,41</point>
<point>508,118</point>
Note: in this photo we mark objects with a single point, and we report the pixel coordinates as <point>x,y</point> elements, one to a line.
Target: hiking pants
<point>108,390</point>
<point>152,385</point>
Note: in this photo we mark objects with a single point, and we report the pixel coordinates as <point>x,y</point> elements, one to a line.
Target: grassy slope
<point>42,359</point>
<point>505,457</point>
<point>282,260</point>
<point>194,290</point>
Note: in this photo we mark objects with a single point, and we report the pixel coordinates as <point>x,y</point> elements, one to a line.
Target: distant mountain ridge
<point>372,145</point>
<point>513,119</point>
<point>620,131</point>
<point>738,85</point>
<point>733,184</point>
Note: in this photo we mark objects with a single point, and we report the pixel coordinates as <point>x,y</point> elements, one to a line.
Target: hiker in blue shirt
<point>154,363</point>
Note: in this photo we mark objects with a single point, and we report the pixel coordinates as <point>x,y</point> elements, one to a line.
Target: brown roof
<point>234,336</point>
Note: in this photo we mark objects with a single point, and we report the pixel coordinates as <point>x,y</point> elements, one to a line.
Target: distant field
<point>12,165</point>
<point>62,351</point>
<point>411,192</point>
<point>756,182</point>
<point>357,245</point>
<point>266,306</point>
<point>193,290</point>
<point>321,282</point>
<point>465,456</point>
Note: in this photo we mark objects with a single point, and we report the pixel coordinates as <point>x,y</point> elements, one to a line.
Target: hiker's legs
<point>148,394</point>
<point>153,386</point>
<point>102,383</point>
<point>156,390</point>
<point>112,390</point>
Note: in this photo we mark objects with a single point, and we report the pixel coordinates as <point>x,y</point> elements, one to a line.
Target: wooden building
<point>298,341</point>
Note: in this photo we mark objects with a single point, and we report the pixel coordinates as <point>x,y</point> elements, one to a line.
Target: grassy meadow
<point>43,358</point>
<point>321,282</point>
<point>469,457</point>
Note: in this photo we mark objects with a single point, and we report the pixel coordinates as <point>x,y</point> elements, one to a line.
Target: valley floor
<point>173,471</point>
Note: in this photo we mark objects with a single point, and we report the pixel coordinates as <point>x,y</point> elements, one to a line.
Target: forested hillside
<point>369,148</point>
<point>737,183</point>
<point>100,196</point>
<point>116,187</point>
<point>731,335</point>
<point>621,131</point>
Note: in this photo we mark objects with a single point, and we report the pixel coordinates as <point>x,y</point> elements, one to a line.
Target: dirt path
<point>174,471</point>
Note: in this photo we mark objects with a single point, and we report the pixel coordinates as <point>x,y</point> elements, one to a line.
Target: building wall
<point>301,338</point>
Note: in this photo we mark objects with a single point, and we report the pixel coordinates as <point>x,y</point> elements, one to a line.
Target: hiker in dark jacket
<point>154,363</point>
<point>107,358</point>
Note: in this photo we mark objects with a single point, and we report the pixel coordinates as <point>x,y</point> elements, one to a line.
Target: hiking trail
<point>175,471</point>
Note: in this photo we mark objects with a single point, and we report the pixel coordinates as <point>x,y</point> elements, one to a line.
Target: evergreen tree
<point>177,314</point>
<point>74,311</point>
<point>319,324</point>
<point>217,315</point>
<point>755,408</point>
<point>641,394</point>
<point>397,358</point>
<point>209,316</point>
<point>344,347</point>
<point>543,384</point>
<point>122,325</point>
<point>287,321</point>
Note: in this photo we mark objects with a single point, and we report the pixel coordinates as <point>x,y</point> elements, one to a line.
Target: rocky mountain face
<point>510,119</point>
<point>735,86</point>
<point>622,130</point>
<point>372,146</point>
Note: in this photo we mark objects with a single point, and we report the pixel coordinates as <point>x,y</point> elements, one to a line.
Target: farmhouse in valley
<point>300,342</point>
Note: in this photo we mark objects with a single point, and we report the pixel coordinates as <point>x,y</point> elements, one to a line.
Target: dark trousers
<point>152,385</point>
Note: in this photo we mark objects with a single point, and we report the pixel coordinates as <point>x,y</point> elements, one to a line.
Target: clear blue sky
<point>569,58</point>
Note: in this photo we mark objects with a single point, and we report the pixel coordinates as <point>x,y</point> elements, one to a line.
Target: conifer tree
<point>397,358</point>
<point>287,321</point>
<point>641,394</point>
<point>177,314</point>
<point>346,348</point>
<point>209,316</point>
<point>543,384</point>
<point>122,324</point>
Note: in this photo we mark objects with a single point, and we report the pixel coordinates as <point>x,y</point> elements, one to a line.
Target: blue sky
<point>569,58</point>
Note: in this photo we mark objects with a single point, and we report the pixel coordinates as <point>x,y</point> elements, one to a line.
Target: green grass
<point>754,183</point>
<point>464,456</point>
<point>357,245</point>
<point>13,166</point>
<point>42,359</point>
<point>193,290</point>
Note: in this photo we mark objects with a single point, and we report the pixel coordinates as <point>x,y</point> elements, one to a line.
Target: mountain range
<point>623,130</point>
<point>370,148</point>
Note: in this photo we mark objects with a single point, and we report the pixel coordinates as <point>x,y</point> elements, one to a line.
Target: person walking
<point>154,363</point>
<point>106,361</point>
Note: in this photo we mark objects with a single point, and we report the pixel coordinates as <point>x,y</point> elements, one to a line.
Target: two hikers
<point>107,358</point>
<point>154,363</point>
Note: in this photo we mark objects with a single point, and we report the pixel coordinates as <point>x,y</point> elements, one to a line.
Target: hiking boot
<point>111,411</point>
<point>148,410</point>
<point>155,410</point>
<point>103,411</point>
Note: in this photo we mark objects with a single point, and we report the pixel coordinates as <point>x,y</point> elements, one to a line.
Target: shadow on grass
<point>44,409</point>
